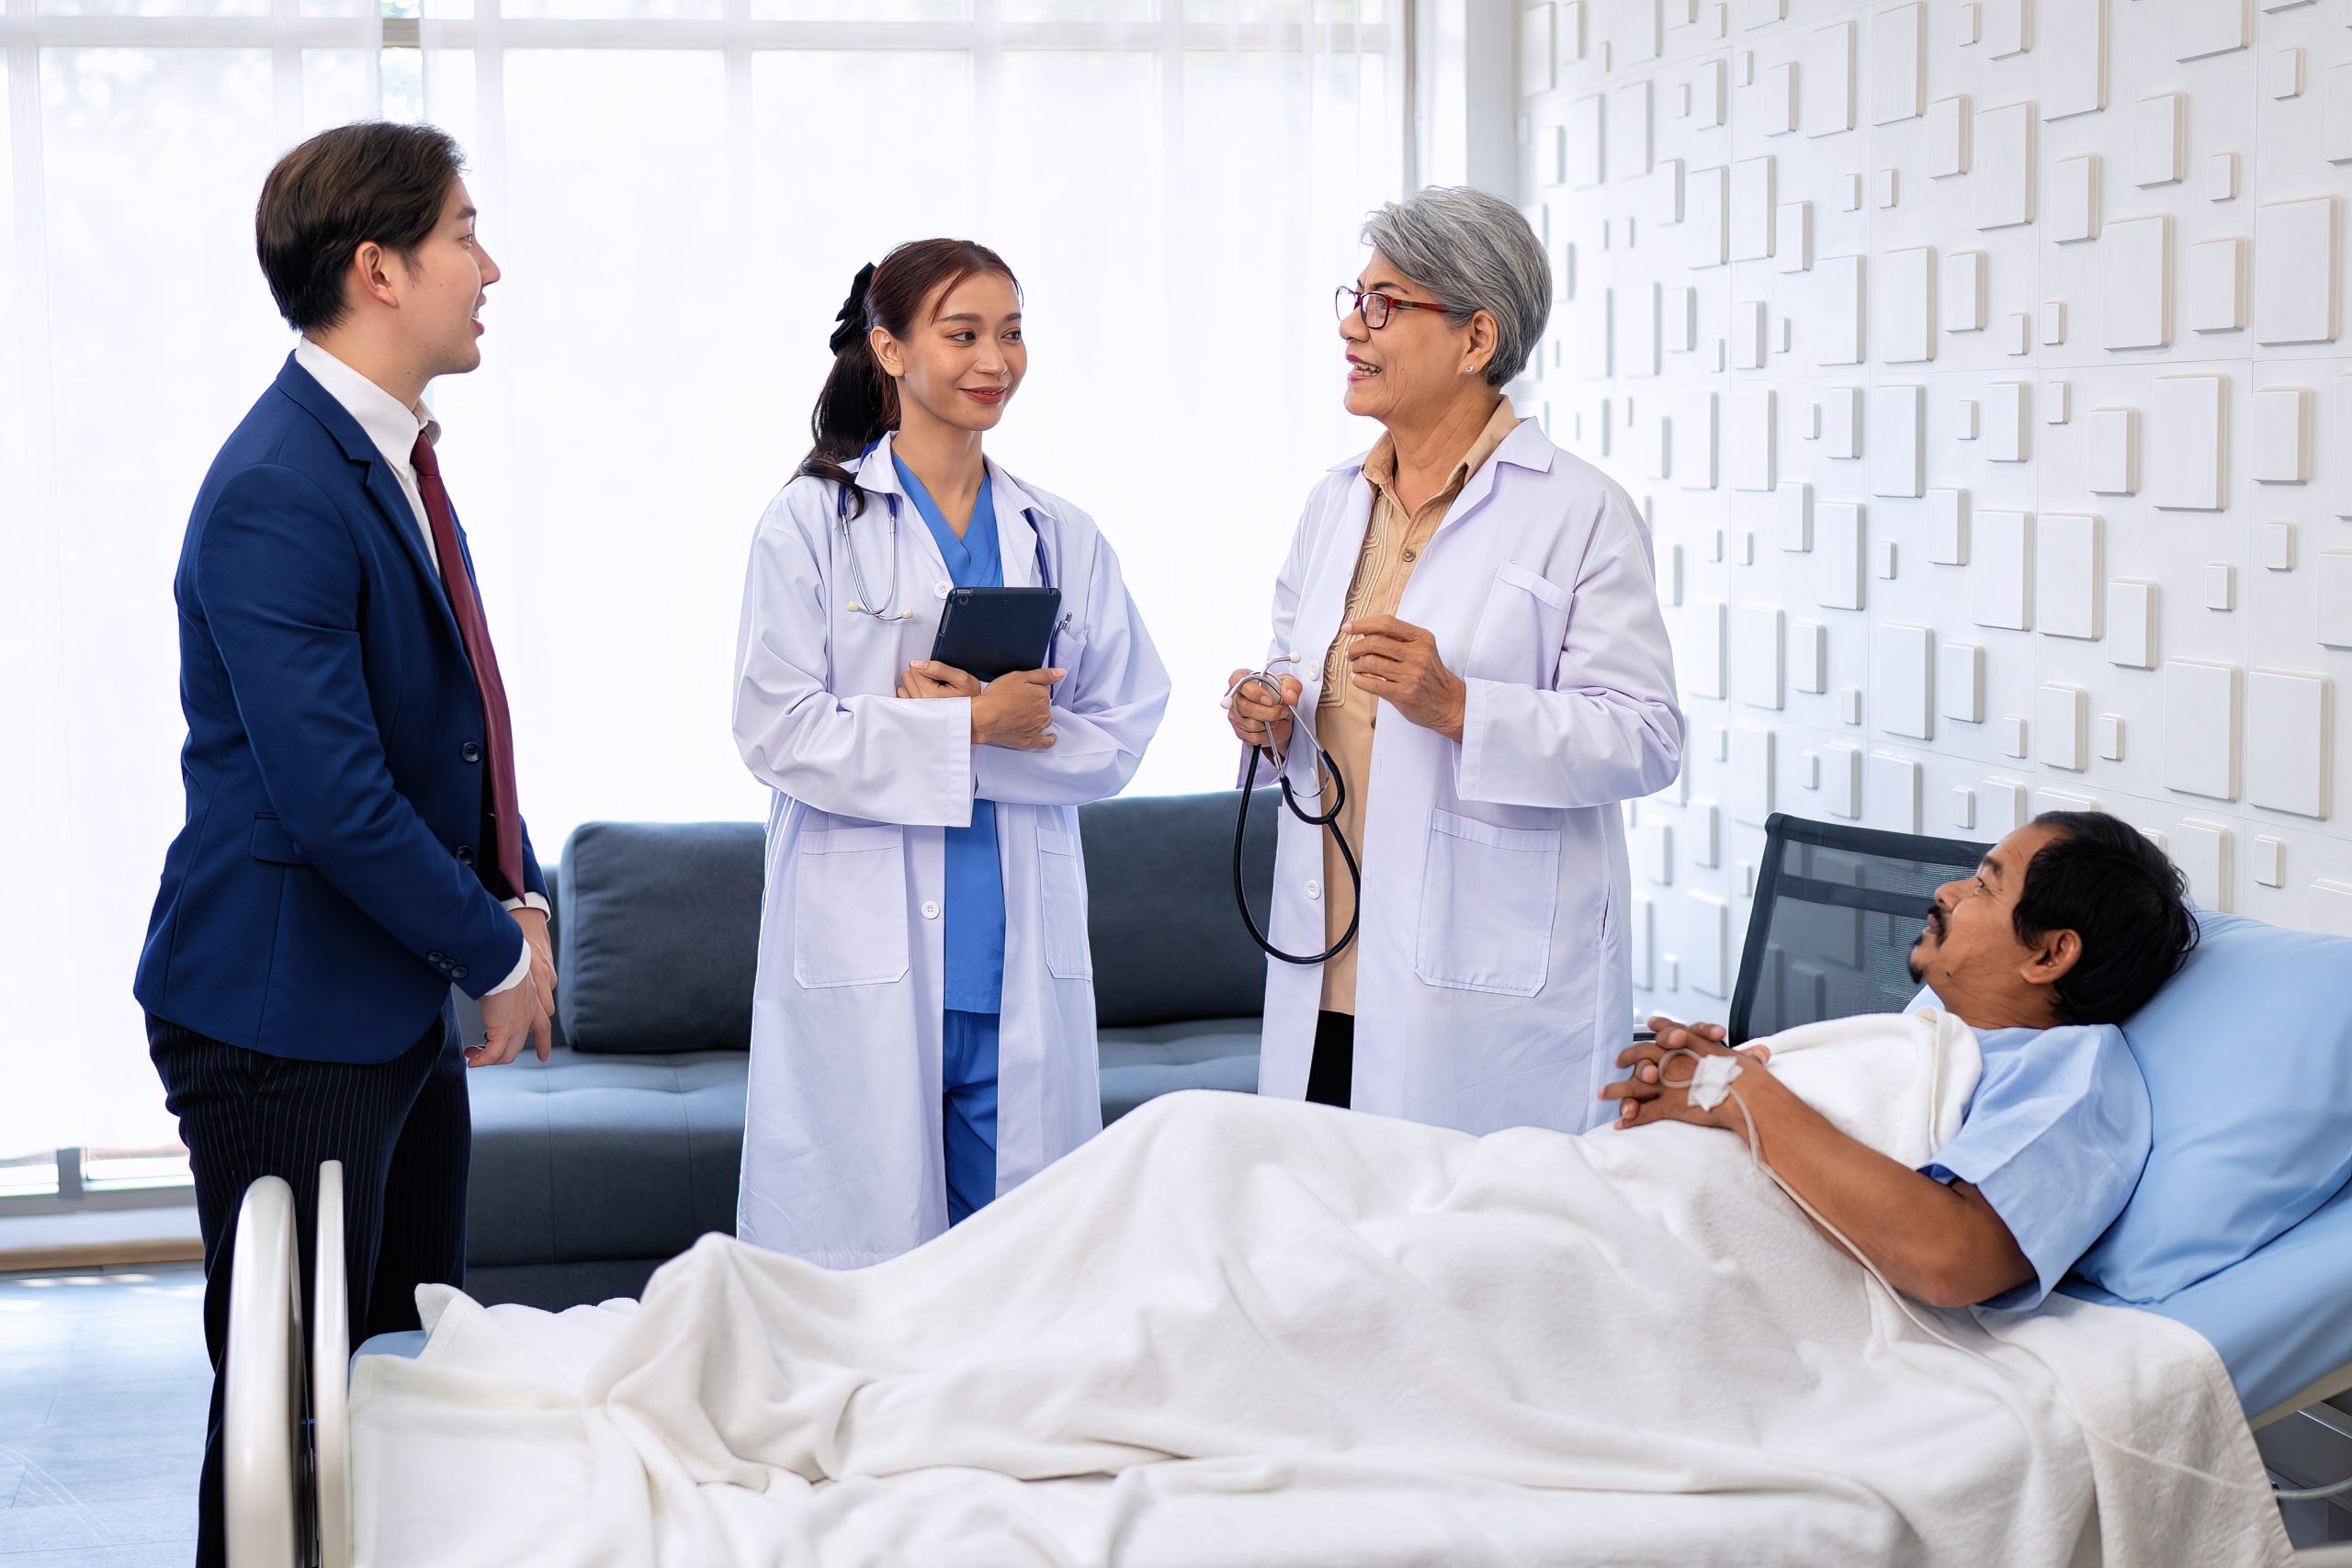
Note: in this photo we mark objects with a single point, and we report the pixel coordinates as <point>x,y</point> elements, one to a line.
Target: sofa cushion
<point>1169,945</point>
<point>1143,1063</point>
<point>660,935</point>
<point>583,1159</point>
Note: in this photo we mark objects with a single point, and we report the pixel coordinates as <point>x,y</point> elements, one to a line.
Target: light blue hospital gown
<point>2054,1138</point>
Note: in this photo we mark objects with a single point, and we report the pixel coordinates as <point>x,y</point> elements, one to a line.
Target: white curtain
<point>678,192</point>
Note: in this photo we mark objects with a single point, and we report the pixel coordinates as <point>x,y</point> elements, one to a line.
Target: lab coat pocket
<point>849,907</point>
<point>1061,877</point>
<point>1067,653</point>
<point>1488,897</point>
<point>1521,630</point>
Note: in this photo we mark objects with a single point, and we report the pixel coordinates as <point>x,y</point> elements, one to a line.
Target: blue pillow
<point>2248,1056</point>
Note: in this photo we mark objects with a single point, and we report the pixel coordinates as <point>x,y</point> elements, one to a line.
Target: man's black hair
<point>2107,883</point>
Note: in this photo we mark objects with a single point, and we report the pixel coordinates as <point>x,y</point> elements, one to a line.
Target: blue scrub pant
<point>968,1057</point>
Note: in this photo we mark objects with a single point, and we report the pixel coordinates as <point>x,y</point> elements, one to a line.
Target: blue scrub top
<point>2054,1137</point>
<point>975,912</point>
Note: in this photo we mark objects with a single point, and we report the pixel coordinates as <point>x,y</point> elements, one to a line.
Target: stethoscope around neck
<point>886,608</point>
<point>865,604</point>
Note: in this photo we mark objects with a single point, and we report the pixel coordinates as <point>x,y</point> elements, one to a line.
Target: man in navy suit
<point>353,845</point>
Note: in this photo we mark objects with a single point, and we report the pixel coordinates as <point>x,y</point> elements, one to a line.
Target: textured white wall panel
<point>2296,284</point>
<point>2067,590</point>
<point>2074,198</point>
<point>1838,555</point>
<point>2006,176</point>
<point>1899,50</point>
<point>2003,571</point>
<point>2136,283</point>
<point>1903,679</point>
<point>1980,368</point>
<point>1960,682</point>
<point>1897,440</point>
<point>2184,453</point>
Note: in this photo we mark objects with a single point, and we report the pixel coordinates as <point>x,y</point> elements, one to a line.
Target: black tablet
<point>989,632</point>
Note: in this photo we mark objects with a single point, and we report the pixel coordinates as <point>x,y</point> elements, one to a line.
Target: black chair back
<point>1837,910</point>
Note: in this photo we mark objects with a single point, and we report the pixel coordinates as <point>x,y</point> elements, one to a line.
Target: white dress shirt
<point>393,427</point>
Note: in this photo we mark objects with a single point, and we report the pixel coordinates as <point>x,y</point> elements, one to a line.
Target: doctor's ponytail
<point>859,404</point>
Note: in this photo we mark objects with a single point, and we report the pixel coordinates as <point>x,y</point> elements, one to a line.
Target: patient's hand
<point>1649,1093</point>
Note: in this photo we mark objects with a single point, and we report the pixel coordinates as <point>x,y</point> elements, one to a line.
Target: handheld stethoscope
<point>886,609</point>
<point>1328,821</point>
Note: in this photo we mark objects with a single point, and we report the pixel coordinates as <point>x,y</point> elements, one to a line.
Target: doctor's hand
<point>927,679</point>
<point>1658,1087</point>
<point>1016,711</point>
<point>1256,719</point>
<point>1397,662</point>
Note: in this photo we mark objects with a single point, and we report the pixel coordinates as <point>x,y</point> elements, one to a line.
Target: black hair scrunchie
<point>851,317</point>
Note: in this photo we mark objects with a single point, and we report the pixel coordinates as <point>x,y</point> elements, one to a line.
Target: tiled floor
<point>103,1383</point>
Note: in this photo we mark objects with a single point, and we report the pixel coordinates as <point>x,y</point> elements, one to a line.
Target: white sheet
<point>1239,1330</point>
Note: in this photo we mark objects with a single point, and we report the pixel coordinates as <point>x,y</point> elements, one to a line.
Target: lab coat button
<point>939,590</point>
<point>930,910</point>
<point>1314,890</point>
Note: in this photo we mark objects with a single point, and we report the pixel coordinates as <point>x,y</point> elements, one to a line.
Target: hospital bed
<point>1836,908</point>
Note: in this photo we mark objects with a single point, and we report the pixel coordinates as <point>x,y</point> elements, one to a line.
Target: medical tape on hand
<point>1711,1081</point>
<point>1709,1084</point>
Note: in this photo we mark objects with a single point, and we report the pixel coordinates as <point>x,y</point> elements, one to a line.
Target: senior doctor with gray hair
<point>1466,630</point>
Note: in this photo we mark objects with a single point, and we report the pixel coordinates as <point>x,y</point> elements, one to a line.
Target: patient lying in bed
<point>2067,928</point>
<point>1233,1329</point>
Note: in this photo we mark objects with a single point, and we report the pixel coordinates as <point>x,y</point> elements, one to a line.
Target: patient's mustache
<point>1919,970</point>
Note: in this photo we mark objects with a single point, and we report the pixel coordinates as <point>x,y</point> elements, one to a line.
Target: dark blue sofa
<point>595,1169</point>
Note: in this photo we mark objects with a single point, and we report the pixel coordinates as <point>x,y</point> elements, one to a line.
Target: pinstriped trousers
<point>404,1133</point>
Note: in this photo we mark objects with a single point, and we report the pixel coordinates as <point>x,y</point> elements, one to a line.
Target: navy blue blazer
<point>328,886</point>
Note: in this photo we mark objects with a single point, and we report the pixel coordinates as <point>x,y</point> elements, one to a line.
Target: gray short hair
<point>1474,251</point>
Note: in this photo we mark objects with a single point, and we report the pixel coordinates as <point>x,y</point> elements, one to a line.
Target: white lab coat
<point>1493,986</point>
<point>841,1137</point>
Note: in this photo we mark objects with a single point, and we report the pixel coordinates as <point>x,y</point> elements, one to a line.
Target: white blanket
<point>1234,1330</point>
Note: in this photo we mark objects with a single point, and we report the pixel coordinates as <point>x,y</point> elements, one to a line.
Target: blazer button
<point>465,854</point>
<point>456,971</point>
<point>470,751</point>
<point>437,958</point>
<point>930,910</point>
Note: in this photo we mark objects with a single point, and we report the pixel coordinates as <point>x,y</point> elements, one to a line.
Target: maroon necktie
<point>506,816</point>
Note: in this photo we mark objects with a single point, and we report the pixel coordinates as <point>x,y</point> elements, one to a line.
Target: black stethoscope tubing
<point>1329,821</point>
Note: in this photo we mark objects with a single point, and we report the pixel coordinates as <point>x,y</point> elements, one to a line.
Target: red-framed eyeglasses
<point>1373,305</point>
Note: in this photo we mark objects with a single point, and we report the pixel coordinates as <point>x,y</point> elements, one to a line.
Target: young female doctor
<point>923,1026</point>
